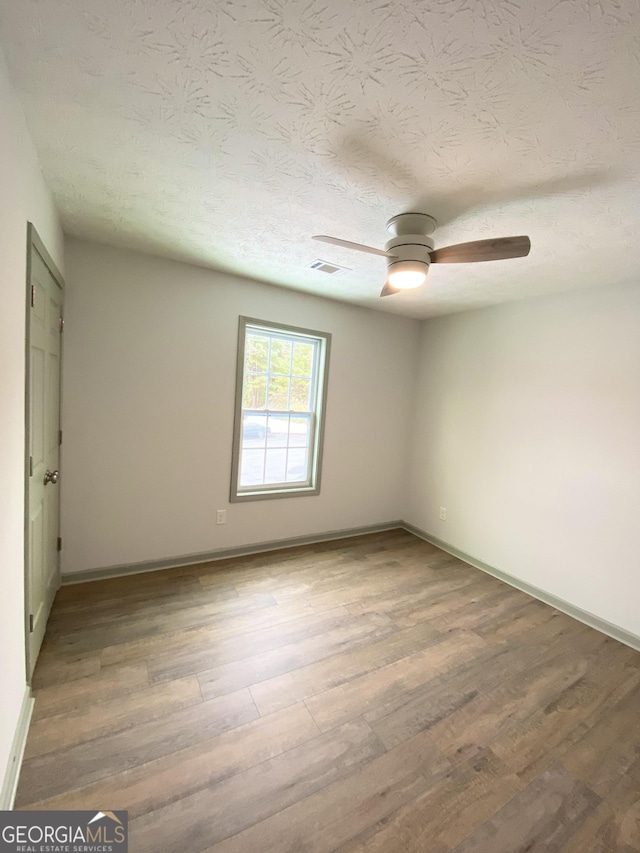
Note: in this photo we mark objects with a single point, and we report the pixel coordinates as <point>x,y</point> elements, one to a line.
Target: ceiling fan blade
<point>482,250</point>
<point>388,290</point>
<point>347,244</point>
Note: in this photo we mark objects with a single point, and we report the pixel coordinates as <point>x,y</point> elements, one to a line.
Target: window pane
<point>278,393</point>
<point>254,430</point>
<point>299,431</point>
<point>280,356</point>
<point>251,467</point>
<point>278,430</point>
<point>300,395</point>
<point>297,465</point>
<point>302,359</point>
<point>256,353</point>
<point>275,467</point>
<point>255,392</point>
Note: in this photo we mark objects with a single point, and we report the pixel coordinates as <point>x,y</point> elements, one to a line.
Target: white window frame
<point>317,414</point>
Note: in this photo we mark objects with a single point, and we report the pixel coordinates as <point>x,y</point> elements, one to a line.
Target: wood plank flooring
<point>370,695</point>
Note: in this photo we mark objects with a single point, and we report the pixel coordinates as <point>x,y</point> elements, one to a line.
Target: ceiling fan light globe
<point>406,279</point>
<point>406,275</point>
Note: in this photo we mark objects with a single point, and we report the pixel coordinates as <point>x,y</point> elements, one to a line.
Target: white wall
<point>527,430</point>
<point>149,385</point>
<point>23,197</point>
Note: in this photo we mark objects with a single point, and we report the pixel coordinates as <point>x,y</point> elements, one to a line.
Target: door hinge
<point>60,437</point>
<point>61,325</point>
<point>31,466</point>
<point>59,543</point>
<point>31,623</point>
<point>33,296</point>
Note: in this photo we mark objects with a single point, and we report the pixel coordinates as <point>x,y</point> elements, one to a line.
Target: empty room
<point>306,546</point>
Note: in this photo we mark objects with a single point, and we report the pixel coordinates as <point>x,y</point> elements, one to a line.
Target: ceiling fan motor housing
<point>410,242</point>
<point>411,252</point>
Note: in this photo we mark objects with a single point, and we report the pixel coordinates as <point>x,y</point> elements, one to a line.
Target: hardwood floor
<point>371,695</point>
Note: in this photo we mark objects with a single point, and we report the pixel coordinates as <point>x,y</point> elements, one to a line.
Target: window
<point>280,401</point>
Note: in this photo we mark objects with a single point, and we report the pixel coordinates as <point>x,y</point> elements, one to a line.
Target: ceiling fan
<point>410,251</point>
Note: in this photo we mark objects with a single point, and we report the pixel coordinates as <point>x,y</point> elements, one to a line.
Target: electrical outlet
<point>221,516</point>
<point>443,513</point>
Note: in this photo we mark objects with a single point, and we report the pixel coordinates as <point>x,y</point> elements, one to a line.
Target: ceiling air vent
<point>326,267</point>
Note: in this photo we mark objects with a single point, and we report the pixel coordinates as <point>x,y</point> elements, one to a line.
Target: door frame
<point>34,244</point>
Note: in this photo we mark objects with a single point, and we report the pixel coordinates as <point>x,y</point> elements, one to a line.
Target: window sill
<point>269,494</point>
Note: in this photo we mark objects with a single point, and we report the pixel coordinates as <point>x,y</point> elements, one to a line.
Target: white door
<point>43,408</point>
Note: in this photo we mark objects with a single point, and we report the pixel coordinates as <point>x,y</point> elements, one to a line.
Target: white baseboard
<point>222,554</point>
<point>590,619</point>
<point>12,774</point>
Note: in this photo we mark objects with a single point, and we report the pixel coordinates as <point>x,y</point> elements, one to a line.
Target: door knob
<point>51,477</point>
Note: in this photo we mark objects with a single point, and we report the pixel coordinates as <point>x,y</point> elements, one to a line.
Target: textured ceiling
<point>227,132</point>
